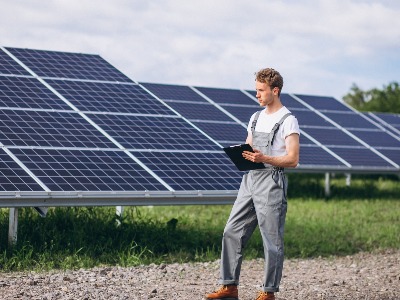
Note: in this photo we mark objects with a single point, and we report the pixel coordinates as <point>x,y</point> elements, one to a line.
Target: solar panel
<point>108,97</point>
<point>57,64</point>
<point>174,92</point>
<point>310,118</point>
<point>358,156</point>
<point>10,67</point>
<point>199,111</point>
<point>390,121</point>
<point>13,177</point>
<point>153,132</point>
<point>226,96</point>
<point>87,170</point>
<point>242,113</point>
<point>377,139</point>
<point>49,129</point>
<point>332,137</point>
<point>314,158</point>
<point>188,170</point>
<point>323,103</point>
<point>365,131</point>
<point>23,92</point>
<point>226,134</point>
<point>75,123</point>
<point>350,120</point>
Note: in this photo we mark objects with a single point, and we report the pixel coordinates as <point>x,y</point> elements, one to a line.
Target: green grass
<point>363,217</point>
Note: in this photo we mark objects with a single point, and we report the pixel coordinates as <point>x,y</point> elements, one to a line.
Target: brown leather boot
<point>265,296</point>
<point>226,292</point>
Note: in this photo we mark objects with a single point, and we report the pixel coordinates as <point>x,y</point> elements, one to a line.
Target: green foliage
<point>375,100</point>
<point>362,217</point>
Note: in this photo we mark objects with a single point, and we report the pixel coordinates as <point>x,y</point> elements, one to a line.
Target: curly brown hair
<point>270,77</point>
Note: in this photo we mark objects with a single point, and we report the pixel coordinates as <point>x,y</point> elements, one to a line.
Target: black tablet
<point>235,154</point>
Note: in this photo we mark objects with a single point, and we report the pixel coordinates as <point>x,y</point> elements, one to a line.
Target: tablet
<point>235,154</point>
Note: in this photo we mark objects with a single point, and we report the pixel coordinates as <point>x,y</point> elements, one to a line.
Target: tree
<point>385,100</point>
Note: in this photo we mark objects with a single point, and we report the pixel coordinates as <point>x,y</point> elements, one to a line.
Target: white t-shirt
<point>266,122</point>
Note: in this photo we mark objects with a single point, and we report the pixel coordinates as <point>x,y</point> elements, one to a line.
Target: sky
<point>320,47</point>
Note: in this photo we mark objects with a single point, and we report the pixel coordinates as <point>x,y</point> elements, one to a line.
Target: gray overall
<point>261,200</point>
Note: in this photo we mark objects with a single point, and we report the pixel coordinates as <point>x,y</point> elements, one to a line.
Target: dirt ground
<point>364,276</point>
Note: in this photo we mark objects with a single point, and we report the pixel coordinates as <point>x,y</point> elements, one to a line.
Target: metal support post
<point>327,185</point>
<point>13,227</point>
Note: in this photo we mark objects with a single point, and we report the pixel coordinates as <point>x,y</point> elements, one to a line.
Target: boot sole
<point>222,298</point>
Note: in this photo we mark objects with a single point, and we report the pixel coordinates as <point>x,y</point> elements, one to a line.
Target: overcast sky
<point>320,47</point>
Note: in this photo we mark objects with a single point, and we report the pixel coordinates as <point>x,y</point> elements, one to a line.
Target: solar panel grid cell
<point>243,113</point>
<point>350,120</point>
<point>193,171</point>
<point>49,129</point>
<point>8,66</point>
<point>323,103</point>
<point>22,92</point>
<point>315,156</point>
<point>107,97</point>
<point>68,65</point>
<point>332,137</point>
<point>13,177</point>
<point>359,156</point>
<point>174,92</point>
<point>199,111</point>
<point>87,170</point>
<point>224,132</point>
<point>226,96</point>
<point>153,132</point>
<point>377,139</point>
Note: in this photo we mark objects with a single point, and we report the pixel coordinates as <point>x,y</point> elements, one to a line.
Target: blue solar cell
<point>316,156</point>
<point>108,97</point>
<point>8,66</point>
<point>310,118</point>
<point>199,111</point>
<point>361,157</point>
<point>226,96</point>
<point>331,137</point>
<point>243,113</point>
<point>305,140</point>
<point>86,170</point>
<point>377,138</point>
<point>223,132</point>
<point>43,128</point>
<point>392,154</point>
<point>323,103</point>
<point>174,92</point>
<point>392,119</point>
<point>23,92</point>
<point>350,120</point>
<point>193,171</point>
<point>151,132</point>
<point>68,65</point>
<point>290,102</point>
<point>13,177</point>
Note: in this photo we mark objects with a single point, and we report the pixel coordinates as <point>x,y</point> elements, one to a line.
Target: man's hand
<point>257,156</point>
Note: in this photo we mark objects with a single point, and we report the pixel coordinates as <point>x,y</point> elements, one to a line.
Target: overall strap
<point>276,127</point>
<point>253,125</point>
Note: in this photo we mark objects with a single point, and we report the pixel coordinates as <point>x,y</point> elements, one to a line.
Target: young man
<point>274,135</point>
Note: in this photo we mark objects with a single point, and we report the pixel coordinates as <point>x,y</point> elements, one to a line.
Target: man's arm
<point>290,160</point>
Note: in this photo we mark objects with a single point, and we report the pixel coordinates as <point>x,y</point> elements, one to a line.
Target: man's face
<point>264,94</point>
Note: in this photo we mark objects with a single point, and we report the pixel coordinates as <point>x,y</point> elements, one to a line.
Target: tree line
<point>386,99</point>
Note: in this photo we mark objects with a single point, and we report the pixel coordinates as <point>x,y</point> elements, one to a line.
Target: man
<point>274,135</point>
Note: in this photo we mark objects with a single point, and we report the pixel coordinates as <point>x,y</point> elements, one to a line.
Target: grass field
<point>362,217</point>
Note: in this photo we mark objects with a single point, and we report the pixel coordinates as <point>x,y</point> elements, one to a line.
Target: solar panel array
<point>71,122</point>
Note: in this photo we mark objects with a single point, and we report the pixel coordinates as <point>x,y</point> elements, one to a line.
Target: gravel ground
<point>361,276</point>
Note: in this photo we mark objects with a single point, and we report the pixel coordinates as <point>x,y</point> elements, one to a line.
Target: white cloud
<point>321,47</point>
